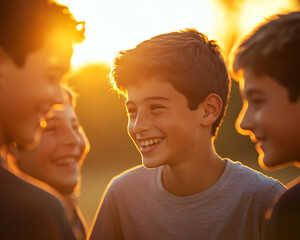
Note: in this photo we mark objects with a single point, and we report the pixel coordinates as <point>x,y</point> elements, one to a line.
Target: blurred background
<point>113,25</point>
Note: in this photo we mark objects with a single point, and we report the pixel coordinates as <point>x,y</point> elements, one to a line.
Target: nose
<point>71,137</point>
<point>141,123</point>
<point>244,123</point>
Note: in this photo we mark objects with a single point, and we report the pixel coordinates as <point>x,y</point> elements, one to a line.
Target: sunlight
<point>112,26</point>
<point>117,25</point>
<point>255,12</point>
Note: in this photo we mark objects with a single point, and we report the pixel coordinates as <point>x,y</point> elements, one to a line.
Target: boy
<point>269,60</point>
<point>35,52</point>
<point>177,87</point>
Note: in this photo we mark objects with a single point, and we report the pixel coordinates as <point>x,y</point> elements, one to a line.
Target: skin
<point>271,120</point>
<point>167,133</point>
<point>27,93</point>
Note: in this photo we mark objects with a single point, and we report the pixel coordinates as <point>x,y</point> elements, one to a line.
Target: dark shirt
<point>28,212</point>
<point>285,220</point>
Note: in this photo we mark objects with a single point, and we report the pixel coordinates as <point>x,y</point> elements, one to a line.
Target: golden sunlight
<point>117,25</point>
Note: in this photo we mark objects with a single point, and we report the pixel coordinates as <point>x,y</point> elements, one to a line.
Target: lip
<point>260,143</point>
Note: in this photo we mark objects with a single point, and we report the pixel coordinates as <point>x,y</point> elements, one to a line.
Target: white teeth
<point>66,161</point>
<point>147,143</point>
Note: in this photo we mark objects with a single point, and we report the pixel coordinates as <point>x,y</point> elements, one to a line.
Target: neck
<point>193,175</point>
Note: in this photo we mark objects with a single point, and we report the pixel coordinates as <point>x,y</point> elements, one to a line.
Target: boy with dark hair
<point>269,59</point>
<point>35,51</point>
<point>177,86</point>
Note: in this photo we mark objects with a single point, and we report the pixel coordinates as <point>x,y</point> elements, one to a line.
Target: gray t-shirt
<point>137,206</point>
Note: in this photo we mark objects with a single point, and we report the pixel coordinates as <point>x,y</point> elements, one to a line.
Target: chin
<point>149,163</point>
<point>270,163</point>
<point>67,187</point>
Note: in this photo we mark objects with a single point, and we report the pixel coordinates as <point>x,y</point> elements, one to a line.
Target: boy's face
<point>160,123</point>
<point>56,160</point>
<point>271,120</point>
<point>28,92</point>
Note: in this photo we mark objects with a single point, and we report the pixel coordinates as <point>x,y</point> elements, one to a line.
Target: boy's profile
<point>268,60</point>
<point>35,51</point>
<point>176,87</point>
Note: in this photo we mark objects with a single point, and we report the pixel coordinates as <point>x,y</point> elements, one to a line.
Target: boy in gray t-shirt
<point>177,86</point>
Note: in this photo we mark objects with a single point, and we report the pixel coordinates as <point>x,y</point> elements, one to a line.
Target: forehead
<point>64,111</point>
<point>252,82</point>
<point>149,87</point>
<point>262,84</point>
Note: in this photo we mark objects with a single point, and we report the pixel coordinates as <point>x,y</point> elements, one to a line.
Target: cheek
<point>130,128</point>
<point>48,146</point>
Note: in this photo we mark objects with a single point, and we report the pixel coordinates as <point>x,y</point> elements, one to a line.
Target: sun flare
<point>117,25</point>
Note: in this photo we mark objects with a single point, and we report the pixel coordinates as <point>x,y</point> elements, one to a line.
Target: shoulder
<point>285,218</point>
<point>251,178</point>
<point>132,175</point>
<point>132,179</point>
<point>39,212</point>
<point>21,198</point>
<point>289,201</point>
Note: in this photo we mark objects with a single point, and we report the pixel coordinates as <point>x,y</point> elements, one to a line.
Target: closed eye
<point>155,107</point>
<point>131,112</point>
<point>256,101</point>
<point>50,128</point>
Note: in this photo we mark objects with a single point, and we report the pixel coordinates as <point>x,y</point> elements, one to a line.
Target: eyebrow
<point>252,91</point>
<point>147,99</point>
<point>50,119</point>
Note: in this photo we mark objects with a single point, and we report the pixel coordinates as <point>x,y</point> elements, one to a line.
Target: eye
<point>76,126</point>
<point>156,107</point>
<point>50,128</point>
<point>131,112</point>
<point>53,77</point>
<point>256,102</point>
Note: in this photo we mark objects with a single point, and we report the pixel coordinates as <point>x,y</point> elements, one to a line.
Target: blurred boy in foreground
<point>269,60</point>
<point>35,50</point>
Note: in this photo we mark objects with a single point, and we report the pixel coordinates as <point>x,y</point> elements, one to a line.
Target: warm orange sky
<point>113,25</point>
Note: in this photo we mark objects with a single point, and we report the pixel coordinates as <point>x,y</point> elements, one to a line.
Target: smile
<point>150,142</point>
<point>69,160</point>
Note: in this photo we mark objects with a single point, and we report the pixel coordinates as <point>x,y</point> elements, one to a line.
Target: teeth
<point>66,160</point>
<point>147,143</point>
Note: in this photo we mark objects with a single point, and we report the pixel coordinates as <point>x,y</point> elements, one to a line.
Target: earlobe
<point>211,109</point>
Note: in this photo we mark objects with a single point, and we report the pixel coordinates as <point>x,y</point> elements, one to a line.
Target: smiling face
<point>163,128</point>
<point>28,92</point>
<point>271,120</point>
<point>58,157</point>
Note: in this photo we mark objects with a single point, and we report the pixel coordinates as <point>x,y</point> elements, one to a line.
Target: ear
<point>211,109</point>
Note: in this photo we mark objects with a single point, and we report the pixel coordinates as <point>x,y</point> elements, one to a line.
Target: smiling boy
<point>35,51</point>
<point>177,86</point>
<point>268,60</point>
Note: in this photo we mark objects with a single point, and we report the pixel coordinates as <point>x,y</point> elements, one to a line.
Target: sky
<point>114,25</point>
